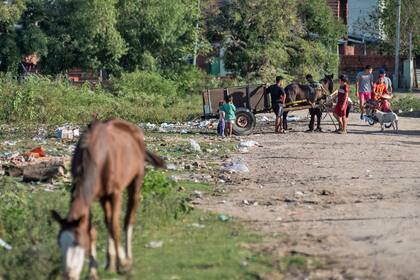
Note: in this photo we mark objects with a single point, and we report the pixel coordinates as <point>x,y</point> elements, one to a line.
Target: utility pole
<point>410,59</point>
<point>397,45</point>
<point>196,39</point>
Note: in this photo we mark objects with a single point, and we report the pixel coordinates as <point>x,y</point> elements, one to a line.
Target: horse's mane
<point>83,168</point>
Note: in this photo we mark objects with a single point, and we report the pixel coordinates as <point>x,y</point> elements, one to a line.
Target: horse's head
<point>73,243</point>
<point>328,82</point>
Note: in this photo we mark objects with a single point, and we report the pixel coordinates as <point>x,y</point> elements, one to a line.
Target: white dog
<point>389,117</point>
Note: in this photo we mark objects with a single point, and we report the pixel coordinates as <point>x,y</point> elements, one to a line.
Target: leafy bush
<point>406,104</point>
<point>146,88</point>
<point>47,101</point>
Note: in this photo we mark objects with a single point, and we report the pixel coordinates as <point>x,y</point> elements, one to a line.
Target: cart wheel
<point>370,121</point>
<point>244,123</point>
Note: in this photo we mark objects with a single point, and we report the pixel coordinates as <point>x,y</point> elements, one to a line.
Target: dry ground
<point>351,201</point>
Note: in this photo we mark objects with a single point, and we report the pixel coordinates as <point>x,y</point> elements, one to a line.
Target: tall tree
<point>9,50</point>
<point>159,33</point>
<point>266,37</point>
<point>82,33</point>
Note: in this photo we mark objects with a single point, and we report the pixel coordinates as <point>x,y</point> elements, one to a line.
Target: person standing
<point>221,124</point>
<point>278,97</point>
<point>387,81</point>
<point>342,102</point>
<point>364,87</point>
<point>314,112</point>
<point>230,115</point>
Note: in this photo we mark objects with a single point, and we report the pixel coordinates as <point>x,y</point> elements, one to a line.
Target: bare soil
<point>351,201</point>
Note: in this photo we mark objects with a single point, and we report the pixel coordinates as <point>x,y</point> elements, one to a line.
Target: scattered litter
<point>235,166</point>
<point>224,218</point>
<point>246,202</point>
<point>10,143</point>
<point>154,244</point>
<point>244,263</point>
<point>35,153</point>
<point>247,144</point>
<point>171,166</point>
<point>182,128</point>
<point>293,118</point>
<point>197,225</point>
<point>67,132</point>
<point>299,193</point>
<point>243,150</point>
<point>5,245</point>
<point>195,146</point>
<point>197,194</point>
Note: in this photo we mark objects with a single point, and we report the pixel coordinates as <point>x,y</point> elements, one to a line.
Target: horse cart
<point>249,100</point>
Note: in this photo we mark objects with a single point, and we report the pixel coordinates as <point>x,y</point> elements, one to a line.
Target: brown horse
<point>109,158</point>
<point>299,95</point>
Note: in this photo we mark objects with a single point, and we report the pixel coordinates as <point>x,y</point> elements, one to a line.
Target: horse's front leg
<point>93,263</point>
<point>111,264</point>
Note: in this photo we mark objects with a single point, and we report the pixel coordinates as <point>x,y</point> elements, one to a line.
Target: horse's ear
<point>56,217</point>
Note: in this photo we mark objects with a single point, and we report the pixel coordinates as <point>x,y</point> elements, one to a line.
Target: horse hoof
<point>93,276</point>
<point>111,268</point>
<point>125,268</point>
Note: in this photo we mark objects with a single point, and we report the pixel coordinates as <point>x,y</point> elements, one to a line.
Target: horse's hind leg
<point>132,205</point>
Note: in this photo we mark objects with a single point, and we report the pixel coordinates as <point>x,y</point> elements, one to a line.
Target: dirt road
<point>352,201</point>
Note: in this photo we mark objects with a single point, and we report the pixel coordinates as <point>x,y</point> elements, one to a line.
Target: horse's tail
<point>155,160</point>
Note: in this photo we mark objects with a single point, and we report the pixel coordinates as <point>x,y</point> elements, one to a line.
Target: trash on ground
<point>195,146</point>
<point>293,118</point>
<point>248,144</point>
<point>154,244</point>
<point>243,150</point>
<point>235,166</point>
<point>299,193</point>
<point>171,166</point>
<point>197,194</point>
<point>224,218</point>
<point>5,245</point>
<point>67,132</point>
<point>10,143</point>
<point>35,153</point>
<point>197,225</point>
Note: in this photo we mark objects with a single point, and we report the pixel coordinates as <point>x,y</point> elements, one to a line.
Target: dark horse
<point>109,158</point>
<point>298,95</point>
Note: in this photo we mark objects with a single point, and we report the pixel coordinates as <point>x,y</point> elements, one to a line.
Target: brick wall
<point>352,64</point>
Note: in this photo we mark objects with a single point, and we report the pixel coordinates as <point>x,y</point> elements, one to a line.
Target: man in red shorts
<point>364,87</point>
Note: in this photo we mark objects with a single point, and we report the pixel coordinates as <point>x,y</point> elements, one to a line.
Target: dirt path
<point>362,219</point>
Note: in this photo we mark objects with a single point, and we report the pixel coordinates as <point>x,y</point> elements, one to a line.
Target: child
<point>229,109</point>
<point>379,88</point>
<point>221,124</point>
<point>341,107</point>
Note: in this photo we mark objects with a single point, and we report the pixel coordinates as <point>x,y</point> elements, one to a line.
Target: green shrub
<point>53,102</point>
<point>145,88</point>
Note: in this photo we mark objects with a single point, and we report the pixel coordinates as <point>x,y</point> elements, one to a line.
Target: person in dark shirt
<point>278,97</point>
<point>314,112</point>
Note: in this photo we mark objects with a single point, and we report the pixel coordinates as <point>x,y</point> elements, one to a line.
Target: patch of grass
<point>289,262</point>
<point>188,252</point>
